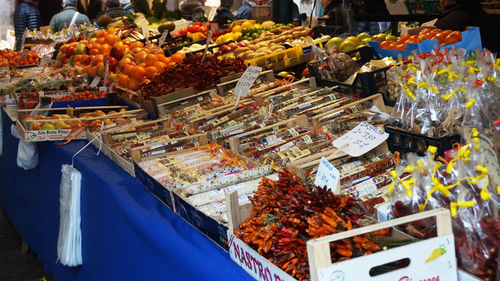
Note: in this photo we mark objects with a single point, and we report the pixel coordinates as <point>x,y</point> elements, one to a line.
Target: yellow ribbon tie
<point>448,96</point>
<point>464,204</point>
<point>491,79</point>
<point>408,91</point>
<point>443,71</point>
<point>407,185</point>
<point>470,103</point>
<point>435,89</point>
<point>394,176</point>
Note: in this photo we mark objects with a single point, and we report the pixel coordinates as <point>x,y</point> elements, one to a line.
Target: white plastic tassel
<point>69,243</point>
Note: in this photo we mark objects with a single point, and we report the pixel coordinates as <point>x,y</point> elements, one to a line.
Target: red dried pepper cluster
<point>288,212</point>
<point>191,73</point>
<point>478,254</point>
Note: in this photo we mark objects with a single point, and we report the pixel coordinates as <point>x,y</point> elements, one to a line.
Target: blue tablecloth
<point>127,233</point>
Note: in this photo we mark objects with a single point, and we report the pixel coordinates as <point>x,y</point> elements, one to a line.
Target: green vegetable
<point>159,8</point>
<point>142,7</point>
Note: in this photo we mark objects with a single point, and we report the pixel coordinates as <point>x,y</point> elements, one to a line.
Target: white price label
<point>162,40</point>
<point>328,176</point>
<point>209,38</point>
<point>361,139</point>
<point>106,70</point>
<point>95,82</point>
<point>246,81</point>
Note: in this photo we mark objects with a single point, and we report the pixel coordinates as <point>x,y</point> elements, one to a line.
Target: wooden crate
<point>321,267</point>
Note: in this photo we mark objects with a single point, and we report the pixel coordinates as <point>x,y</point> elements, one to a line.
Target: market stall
<point>289,152</point>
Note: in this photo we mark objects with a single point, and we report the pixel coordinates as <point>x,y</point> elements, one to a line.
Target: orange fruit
<point>127,41</point>
<point>138,72</point>
<point>92,71</point>
<point>151,71</point>
<point>84,58</point>
<point>128,69</point>
<point>101,33</point>
<point>86,69</point>
<point>97,59</point>
<point>94,51</point>
<point>136,44</point>
<point>132,84</point>
<point>111,39</point>
<point>104,49</point>
<point>160,66</point>
<point>171,64</point>
<point>100,40</point>
<point>123,62</point>
<point>140,57</point>
<point>177,57</point>
<point>165,60</point>
<point>150,59</point>
<point>123,80</point>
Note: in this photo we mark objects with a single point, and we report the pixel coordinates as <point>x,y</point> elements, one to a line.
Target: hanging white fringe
<point>69,243</point>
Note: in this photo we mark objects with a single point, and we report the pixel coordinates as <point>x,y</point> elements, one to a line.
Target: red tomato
<point>192,28</point>
<point>183,31</point>
<point>404,38</point>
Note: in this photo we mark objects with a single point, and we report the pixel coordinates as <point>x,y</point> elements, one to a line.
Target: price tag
<point>161,41</point>
<point>95,82</point>
<point>103,89</point>
<point>328,176</point>
<point>361,139</point>
<point>144,28</point>
<point>106,70</point>
<point>209,38</point>
<point>23,39</point>
<point>246,81</point>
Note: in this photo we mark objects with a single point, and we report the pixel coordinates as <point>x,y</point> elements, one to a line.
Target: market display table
<point>127,234</point>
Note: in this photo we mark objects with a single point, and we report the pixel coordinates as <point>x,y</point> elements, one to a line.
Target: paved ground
<point>15,266</point>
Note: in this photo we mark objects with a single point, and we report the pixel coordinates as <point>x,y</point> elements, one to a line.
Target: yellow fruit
<point>247,24</point>
<point>380,36</point>
<point>347,46</point>
<point>335,40</point>
<point>391,38</point>
<point>267,24</point>
<point>48,126</point>
<point>353,40</point>
<point>237,28</point>
<point>235,35</point>
<point>363,36</point>
<point>366,41</point>
<point>61,125</point>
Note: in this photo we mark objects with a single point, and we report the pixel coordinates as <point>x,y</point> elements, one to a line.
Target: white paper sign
<point>246,81</point>
<point>361,139</point>
<point>209,38</point>
<point>95,82</point>
<point>328,176</point>
<point>161,41</point>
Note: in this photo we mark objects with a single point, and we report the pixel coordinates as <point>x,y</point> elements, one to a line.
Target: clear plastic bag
<point>69,243</point>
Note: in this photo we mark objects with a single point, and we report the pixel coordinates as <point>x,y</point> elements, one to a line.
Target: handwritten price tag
<point>361,139</point>
<point>161,41</point>
<point>328,176</point>
<point>246,81</point>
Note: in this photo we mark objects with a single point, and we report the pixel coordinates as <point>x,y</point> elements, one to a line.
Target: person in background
<point>459,14</point>
<point>127,6</point>
<point>192,9</point>
<point>67,17</point>
<point>114,9</point>
<point>26,16</point>
<point>95,9</point>
<point>224,14</point>
<point>337,15</point>
<point>245,11</point>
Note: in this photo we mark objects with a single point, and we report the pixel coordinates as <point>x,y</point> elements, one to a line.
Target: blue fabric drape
<point>127,233</point>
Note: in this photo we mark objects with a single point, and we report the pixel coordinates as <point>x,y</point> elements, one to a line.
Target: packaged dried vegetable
<point>468,184</point>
